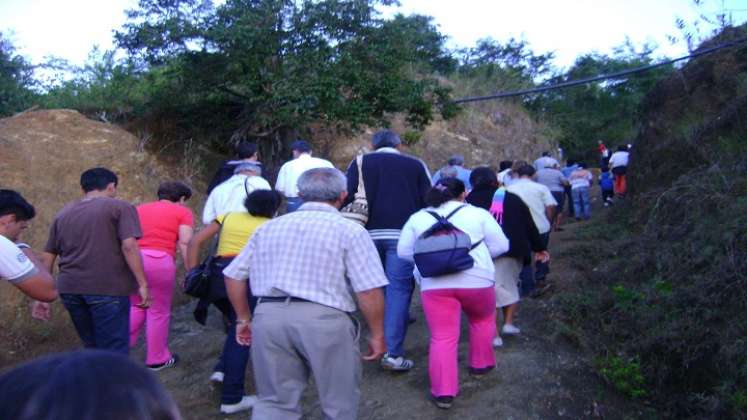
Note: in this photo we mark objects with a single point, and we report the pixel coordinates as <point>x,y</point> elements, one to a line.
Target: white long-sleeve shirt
<point>475,222</point>
<point>230,195</point>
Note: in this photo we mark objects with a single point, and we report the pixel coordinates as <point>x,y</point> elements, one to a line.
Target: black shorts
<point>559,196</point>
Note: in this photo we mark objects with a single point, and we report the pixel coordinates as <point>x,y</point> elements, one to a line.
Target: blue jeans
<point>235,357</point>
<point>581,203</point>
<point>293,204</point>
<point>102,322</point>
<point>397,295</point>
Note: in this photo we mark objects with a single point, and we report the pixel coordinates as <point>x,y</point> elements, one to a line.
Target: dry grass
<point>42,155</point>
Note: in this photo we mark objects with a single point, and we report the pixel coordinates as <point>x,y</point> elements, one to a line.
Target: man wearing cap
<point>454,169</point>
<point>230,195</point>
<point>395,186</point>
<point>288,176</point>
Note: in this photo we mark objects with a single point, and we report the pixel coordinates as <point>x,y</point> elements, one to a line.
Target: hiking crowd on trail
<point>287,286</point>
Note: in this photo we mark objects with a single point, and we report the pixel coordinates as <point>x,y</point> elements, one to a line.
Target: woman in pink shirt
<point>165,223</point>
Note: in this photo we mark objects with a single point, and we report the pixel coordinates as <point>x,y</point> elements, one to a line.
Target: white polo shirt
<point>292,170</point>
<point>230,195</point>
<point>619,159</point>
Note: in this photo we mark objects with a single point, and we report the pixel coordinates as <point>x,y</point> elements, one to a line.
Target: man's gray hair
<point>321,184</point>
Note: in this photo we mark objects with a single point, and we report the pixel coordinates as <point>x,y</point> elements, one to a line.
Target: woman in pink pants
<point>166,223</point>
<point>445,297</point>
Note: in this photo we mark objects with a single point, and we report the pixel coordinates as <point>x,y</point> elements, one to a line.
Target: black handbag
<point>197,280</point>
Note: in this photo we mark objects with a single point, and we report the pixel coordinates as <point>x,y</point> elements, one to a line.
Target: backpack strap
<point>439,218</point>
<point>455,210</point>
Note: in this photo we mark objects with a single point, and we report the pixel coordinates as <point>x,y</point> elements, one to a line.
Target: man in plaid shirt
<point>302,268</point>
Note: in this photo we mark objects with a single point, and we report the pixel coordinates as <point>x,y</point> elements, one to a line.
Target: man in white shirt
<point>230,195</point>
<point>286,183</point>
<point>18,264</point>
<point>619,168</point>
<point>542,206</point>
<point>546,161</point>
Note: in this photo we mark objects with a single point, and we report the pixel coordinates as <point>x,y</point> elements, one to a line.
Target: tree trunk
<point>274,150</point>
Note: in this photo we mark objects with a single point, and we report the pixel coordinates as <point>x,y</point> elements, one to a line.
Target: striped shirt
<point>312,253</point>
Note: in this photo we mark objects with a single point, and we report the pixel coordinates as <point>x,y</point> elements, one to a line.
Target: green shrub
<point>624,374</point>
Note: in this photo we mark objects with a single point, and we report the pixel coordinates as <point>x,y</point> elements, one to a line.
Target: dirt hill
<point>42,155</point>
<point>484,134</point>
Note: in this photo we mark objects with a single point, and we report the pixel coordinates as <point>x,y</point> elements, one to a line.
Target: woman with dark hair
<point>84,385</point>
<point>445,297</point>
<point>166,225</point>
<point>484,183</point>
<point>234,230</point>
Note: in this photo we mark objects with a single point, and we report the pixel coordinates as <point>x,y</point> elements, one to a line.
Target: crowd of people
<point>287,286</point>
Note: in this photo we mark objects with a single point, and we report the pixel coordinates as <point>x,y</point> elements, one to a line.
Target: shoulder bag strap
<point>361,193</point>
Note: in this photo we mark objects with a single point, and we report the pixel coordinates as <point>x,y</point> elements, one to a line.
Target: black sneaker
<point>167,364</point>
<point>445,401</point>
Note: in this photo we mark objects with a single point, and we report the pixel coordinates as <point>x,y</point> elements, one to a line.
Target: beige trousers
<point>293,341</point>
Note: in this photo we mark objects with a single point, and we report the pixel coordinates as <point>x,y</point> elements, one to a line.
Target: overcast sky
<point>70,28</point>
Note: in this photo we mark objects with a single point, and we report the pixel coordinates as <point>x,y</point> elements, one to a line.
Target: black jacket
<point>518,225</point>
<point>395,185</point>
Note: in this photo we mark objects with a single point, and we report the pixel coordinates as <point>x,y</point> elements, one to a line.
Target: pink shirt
<point>160,221</point>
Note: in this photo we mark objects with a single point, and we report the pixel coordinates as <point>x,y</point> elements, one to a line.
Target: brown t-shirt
<point>87,236</point>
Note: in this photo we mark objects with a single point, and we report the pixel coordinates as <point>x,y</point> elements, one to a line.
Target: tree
<point>606,110</point>
<point>272,67</point>
<point>16,80</point>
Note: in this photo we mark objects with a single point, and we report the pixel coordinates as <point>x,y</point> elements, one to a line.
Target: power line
<point>599,77</point>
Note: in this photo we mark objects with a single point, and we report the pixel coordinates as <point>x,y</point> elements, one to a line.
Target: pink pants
<point>443,308</point>
<point>160,272</point>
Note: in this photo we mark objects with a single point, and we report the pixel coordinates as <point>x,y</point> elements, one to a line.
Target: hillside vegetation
<point>663,305</point>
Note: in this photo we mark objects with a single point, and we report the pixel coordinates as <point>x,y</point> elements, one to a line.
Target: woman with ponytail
<point>445,297</point>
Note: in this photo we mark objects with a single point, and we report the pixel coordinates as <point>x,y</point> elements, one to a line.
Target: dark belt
<point>262,299</point>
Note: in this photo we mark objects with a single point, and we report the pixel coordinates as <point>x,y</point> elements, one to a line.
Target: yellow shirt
<point>237,230</point>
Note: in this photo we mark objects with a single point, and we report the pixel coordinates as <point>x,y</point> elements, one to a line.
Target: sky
<point>70,28</point>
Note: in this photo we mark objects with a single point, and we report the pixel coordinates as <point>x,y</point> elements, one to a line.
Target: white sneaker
<point>246,403</point>
<point>498,342</point>
<point>217,377</point>
<point>396,363</point>
<point>509,329</point>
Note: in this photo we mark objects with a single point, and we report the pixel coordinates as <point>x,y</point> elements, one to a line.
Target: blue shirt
<point>462,174</point>
<point>568,169</point>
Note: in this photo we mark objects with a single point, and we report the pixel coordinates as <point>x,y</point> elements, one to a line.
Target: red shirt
<point>160,221</point>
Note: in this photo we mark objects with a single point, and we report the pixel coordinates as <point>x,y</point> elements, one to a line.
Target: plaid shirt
<point>312,253</point>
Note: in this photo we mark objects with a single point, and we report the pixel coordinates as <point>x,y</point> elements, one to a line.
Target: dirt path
<point>537,376</point>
